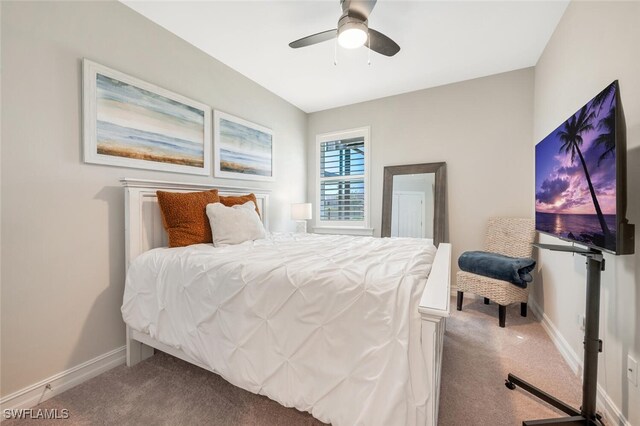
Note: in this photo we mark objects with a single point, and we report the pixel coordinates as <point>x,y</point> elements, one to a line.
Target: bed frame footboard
<point>434,309</point>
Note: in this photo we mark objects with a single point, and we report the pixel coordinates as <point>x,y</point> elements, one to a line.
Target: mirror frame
<point>439,218</point>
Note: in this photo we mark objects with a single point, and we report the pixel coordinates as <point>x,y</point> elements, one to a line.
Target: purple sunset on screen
<point>576,175</point>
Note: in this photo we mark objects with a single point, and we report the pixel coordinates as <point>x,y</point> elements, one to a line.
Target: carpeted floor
<point>477,357</point>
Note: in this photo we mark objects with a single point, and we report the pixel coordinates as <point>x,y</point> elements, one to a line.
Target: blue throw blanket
<point>515,270</point>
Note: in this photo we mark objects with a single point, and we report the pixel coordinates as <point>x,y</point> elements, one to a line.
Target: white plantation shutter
<point>342,191</point>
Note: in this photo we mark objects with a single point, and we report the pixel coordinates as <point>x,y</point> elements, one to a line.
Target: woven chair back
<point>510,236</point>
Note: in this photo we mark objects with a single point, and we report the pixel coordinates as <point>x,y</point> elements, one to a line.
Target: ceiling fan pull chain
<point>335,52</point>
<point>368,49</point>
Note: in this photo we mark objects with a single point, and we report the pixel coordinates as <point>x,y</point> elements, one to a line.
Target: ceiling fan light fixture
<point>352,35</point>
<point>353,31</point>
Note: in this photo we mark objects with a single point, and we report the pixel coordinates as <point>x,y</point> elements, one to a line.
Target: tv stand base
<point>586,415</point>
<point>574,418</point>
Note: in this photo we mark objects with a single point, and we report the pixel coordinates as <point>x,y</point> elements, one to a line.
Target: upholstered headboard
<point>143,221</point>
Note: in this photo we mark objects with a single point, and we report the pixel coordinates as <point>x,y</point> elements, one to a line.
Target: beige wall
<point>594,44</point>
<point>62,225</point>
<point>481,128</point>
<point>62,220</point>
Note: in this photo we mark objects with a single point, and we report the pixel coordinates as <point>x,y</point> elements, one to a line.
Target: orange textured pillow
<point>184,216</point>
<point>241,199</point>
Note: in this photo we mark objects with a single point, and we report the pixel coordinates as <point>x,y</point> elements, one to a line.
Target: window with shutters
<point>342,192</point>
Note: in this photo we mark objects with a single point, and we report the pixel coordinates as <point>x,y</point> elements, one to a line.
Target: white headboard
<point>143,222</point>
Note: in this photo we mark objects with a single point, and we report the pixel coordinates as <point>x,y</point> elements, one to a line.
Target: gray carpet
<point>477,356</point>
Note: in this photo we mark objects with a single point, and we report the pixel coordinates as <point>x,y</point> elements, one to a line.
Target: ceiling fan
<point>353,30</point>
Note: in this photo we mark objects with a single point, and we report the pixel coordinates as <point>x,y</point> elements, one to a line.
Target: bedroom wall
<point>594,44</point>
<point>482,128</point>
<point>62,220</point>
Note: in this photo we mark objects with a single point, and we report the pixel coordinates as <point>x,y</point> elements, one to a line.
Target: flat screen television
<point>581,177</point>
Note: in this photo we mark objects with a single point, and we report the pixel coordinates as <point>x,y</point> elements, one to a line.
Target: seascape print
<point>138,124</point>
<point>576,175</point>
<point>243,149</point>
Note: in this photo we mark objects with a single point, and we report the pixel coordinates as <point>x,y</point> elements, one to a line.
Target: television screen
<point>577,188</point>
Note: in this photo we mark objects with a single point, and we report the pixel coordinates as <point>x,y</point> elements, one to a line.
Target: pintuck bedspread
<point>325,324</point>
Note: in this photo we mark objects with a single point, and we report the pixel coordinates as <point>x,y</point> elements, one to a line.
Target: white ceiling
<point>441,42</point>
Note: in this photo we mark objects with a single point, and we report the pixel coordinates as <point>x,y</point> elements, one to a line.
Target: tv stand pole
<point>586,415</point>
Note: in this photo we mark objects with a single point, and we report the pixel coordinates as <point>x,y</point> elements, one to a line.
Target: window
<point>342,190</point>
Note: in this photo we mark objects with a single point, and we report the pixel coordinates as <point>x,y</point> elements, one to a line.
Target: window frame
<point>344,226</point>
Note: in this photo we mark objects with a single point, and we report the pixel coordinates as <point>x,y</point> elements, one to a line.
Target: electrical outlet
<point>632,370</point>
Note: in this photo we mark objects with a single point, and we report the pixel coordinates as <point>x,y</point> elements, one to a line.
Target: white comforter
<point>326,324</point>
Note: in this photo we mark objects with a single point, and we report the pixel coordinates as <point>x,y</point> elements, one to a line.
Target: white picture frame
<point>253,145</point>
<point>128,122</point>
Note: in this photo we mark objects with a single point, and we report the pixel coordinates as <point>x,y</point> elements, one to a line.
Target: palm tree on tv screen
<point>607,139</point>
<point>571,140</point>
<point>599,100</point>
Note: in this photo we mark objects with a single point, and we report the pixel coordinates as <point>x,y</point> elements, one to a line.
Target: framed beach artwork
<point>132,123</point>
<point>243,150</point>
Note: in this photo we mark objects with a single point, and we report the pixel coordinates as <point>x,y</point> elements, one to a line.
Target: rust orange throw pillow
<point>185,218</point>
<point>241,199</point>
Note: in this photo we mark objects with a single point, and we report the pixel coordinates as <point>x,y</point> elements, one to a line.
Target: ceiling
<point>441,42</point>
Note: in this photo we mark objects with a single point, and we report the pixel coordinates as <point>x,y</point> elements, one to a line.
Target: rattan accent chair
<point>510,237</point>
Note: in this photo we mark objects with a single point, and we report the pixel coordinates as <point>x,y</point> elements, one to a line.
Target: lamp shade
<point>301,211</point>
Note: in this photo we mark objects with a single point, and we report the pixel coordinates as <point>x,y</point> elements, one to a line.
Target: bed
<point>349,329</point>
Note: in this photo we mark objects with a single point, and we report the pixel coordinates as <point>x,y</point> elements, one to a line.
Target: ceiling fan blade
<point>361,7</point>
<point>382,44</point>
<point>314,39</point>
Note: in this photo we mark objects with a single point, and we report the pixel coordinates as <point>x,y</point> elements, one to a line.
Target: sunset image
<point>576,175</point>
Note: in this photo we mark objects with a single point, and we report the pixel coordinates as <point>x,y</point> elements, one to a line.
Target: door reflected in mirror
<point>413,201</point>
<point>412,205</point>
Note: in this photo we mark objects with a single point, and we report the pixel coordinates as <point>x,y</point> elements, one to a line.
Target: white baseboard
<point>612,414</point>
<point>34,394</point>
<point>567,352</point>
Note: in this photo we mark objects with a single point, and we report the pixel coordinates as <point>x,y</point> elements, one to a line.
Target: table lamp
<point>301,212</point>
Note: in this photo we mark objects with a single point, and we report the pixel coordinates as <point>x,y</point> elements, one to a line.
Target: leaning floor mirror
<point>413,203</point>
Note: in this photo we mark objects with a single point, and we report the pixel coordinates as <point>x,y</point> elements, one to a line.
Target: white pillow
<point>234,225</point>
